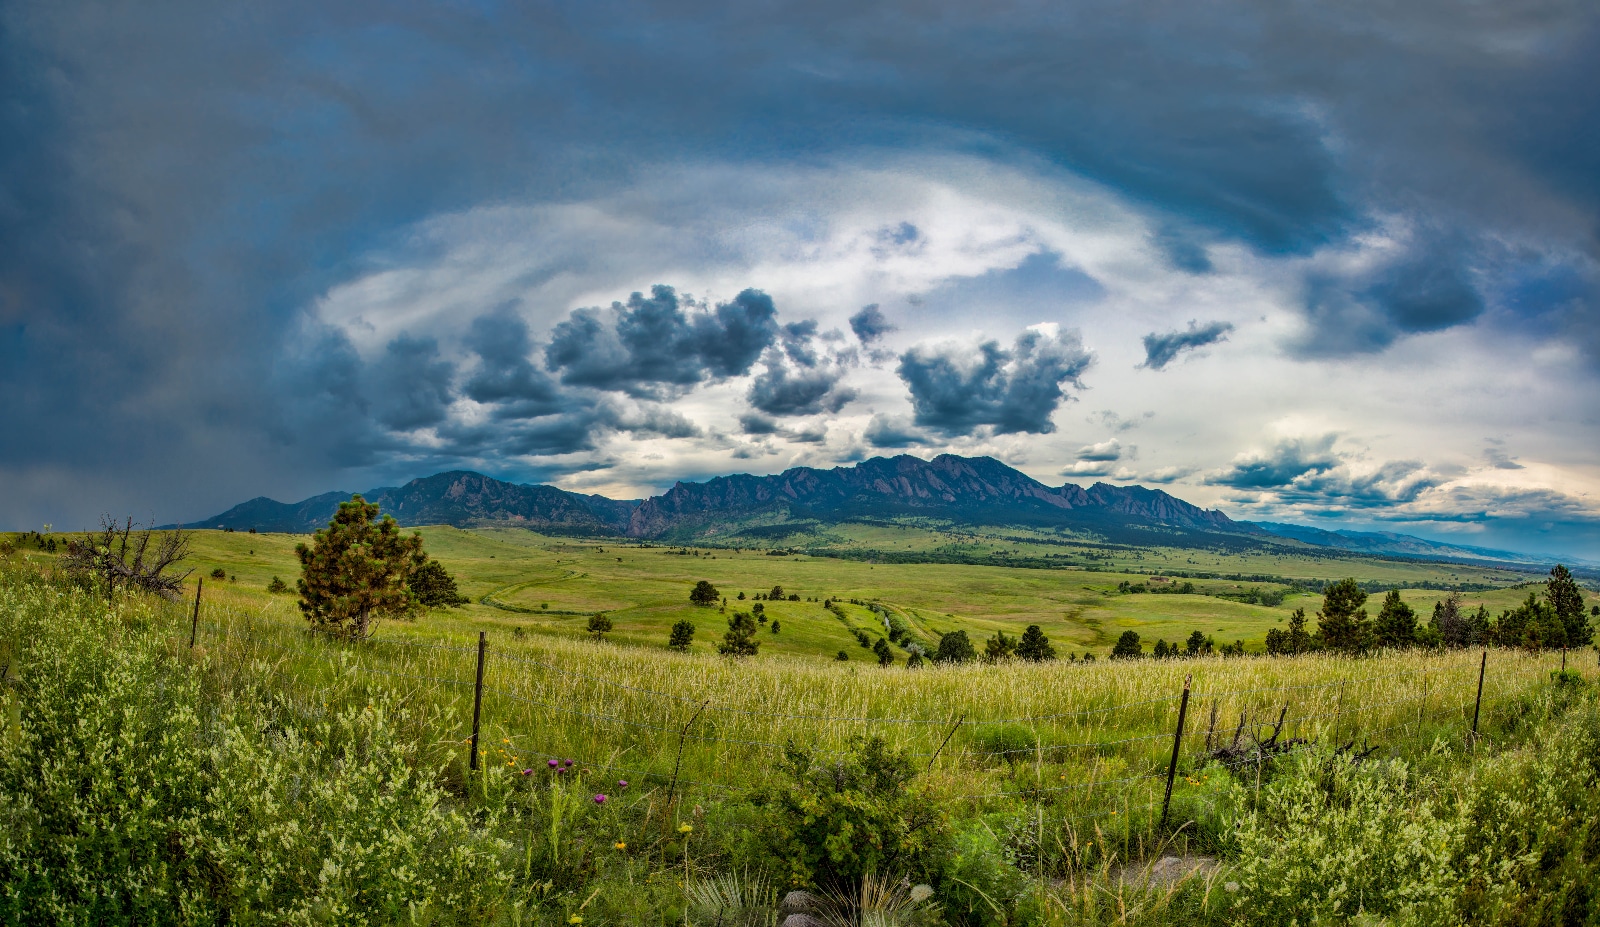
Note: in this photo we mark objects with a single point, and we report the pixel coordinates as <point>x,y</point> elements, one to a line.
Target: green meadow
<point>550,585</point>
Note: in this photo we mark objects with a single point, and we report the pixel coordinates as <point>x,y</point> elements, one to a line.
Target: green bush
<point>833,820</point>
<point>127,797</point>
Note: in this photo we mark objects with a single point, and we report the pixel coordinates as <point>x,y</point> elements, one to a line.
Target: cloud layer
<point>345,246</point>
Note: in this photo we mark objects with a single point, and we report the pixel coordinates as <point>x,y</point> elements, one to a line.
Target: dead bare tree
<point>129,556</point>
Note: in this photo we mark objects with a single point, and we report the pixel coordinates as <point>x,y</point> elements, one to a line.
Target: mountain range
<point>969,491</point>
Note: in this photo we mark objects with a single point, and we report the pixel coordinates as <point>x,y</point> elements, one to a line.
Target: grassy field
<point>549,586</point>
<point>1049,779</point>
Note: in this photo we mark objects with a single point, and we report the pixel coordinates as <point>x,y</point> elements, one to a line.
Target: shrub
<point>278,586</point>
<point>599,625</point>
<point>219,573</point>
<point>885,655</point>
<point>842,656</point>
<point>832,822</point>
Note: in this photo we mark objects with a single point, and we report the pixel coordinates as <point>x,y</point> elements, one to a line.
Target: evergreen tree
<point>885,655</point>
<point>1277,642</point>
<point>954,647</point>
<point>1034,646</point>
<point>1453,627</point>
<point>1397,622</point>
<point>277,585</point>
<point>1533,624</point>
<point>1127,647</point>
<point>1000,647</point>
<point>915,660</point>
<point>1197,644</point>
<point>599,625</point>
<point>1342,623</point>
<point>740,641</point>
<point>434,587</point>
<point>775,594</point>
<point>1161,651</point>
<point>842,657</point>
<point>1566,599</point>
<point>355,571</point>
<point>1298,640</point>
<point>704,594</point>
<point>682,636</point>
<point>775,626</point>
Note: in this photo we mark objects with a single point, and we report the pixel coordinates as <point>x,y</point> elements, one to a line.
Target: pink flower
<point>622,783</point>
<point>599,799</point>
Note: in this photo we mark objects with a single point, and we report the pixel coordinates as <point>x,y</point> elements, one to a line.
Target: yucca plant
<point>742,899</point>
<point>879,901</point>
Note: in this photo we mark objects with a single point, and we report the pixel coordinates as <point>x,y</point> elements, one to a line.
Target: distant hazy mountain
<point>456,498</point>
<point>1395,545</point>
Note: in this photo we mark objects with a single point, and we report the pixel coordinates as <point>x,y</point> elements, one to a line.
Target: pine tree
<point>1034,646</point>
<point>1000,647</point>
<point>740,640</point>
<point>434,587</point>
<point>1197,644</point>
<point>704,594</point>
<point>1566,598</point>
<point>1342,623</point>
<point>1397,622</point>
<point>885,655</point>
<point>954,647</point>
<point>682,636</point>
<point>277,585</point>
<point>1127,647</point>
<point>599,625</point>
<point>1298,640</point>
<point>1454,628</point>
<point>355,571</point>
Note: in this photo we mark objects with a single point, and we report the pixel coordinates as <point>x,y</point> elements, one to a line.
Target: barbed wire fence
<point>1112,761</point>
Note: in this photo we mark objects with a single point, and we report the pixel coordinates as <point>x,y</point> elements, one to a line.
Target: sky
<point>1330,264</point>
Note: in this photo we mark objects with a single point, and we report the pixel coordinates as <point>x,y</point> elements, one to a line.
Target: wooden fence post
<point>477,698</point>
<point>1482,665</point>
<point>194,626</point>
<point>1177,741</point>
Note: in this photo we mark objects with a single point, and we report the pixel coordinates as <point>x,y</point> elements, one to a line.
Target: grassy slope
<point>550,585</point>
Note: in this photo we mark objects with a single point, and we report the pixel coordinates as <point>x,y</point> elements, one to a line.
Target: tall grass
<point>1091,739</point>
<point>271,776</point>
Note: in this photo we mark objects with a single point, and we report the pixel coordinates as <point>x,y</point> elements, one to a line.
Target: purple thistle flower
<point>527,772</point>
<point>599,799</point>
<point>571,763</point>
<point>554,763</point>
<point>622,783</point>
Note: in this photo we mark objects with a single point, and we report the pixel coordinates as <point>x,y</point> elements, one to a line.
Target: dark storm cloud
<point>651,347</point>
<point>799,379</point>
<point>1161,349</point>
<point>411,384</point>
<point>179,183</point>
<point>1290,460</point>
<point>956,392</point>
<point>1430,287</point>
<point>870,324</point>
<point>887,432</point>
<point>505,374</point>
